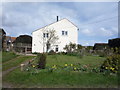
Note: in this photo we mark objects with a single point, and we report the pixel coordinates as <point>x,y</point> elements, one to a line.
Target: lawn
<point>65,59</point>
<point>6,56</point>
<point>62,79</point>
<point>15,62</point>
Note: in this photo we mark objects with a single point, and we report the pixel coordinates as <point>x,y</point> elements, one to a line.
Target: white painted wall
<point>62,25</point>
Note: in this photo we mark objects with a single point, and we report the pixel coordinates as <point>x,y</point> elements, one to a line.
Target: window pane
<point>44,35</point>
<point>62,32</point>
<point>47,35</point>
<point>66,33</point>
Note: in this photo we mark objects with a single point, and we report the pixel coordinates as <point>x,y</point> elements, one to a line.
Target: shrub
<point>41,61</point>
<point>51,52</point>
<point>111,64</point>
<point>35,53</point>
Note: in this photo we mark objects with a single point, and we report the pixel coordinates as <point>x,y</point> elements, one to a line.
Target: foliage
<point>42,61</point>
<point>111,65</point>
<point>51,52</point>
<point>100,46</point>
<point>62,79</point>
<point>70,48</point>
<point>79,47</point>
<point>23,39</point>
<point>66,71</point>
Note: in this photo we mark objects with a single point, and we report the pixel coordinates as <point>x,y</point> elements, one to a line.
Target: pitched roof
<point>13,39</point>
<point>56,22</point>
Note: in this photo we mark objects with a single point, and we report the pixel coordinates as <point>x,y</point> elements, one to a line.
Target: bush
<point>51,52</point>
<point>111,64</point>
<point>101,53</point>
<point>41,61</point>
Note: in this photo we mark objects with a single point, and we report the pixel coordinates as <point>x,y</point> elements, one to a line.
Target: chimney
<point>57,19</point>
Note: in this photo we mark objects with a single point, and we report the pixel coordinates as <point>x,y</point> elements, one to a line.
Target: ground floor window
<point>56,49</point>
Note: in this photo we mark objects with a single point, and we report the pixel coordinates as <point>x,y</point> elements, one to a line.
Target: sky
<point>97,21</point>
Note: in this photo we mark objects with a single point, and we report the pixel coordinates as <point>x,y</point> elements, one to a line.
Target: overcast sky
<point>97,22</point>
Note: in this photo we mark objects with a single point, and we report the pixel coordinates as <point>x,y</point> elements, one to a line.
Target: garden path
<point>11,69</point>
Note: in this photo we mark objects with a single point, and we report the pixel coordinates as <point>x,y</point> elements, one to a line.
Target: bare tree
<point>49,37</point>
<point>52,38</point>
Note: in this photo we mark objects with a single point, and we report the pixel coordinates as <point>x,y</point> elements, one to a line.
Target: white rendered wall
<point>62,25</point>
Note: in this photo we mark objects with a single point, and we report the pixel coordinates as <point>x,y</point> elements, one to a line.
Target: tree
<point>49,38</point>
<point>79,47</point>
<point>70,48</point>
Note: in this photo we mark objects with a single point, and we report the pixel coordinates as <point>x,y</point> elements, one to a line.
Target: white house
<point>65,30</point>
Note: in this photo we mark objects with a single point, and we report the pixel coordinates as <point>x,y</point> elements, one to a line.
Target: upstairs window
<point>45,35</point>
<point>64,33</point>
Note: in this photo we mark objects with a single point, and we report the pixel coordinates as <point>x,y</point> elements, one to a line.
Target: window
<point>64,33</point>
<point>56,49</point>
<point>45,35</point>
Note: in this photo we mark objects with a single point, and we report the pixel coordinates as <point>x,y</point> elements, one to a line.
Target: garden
<point>64,71</point>
<point>72,69</point>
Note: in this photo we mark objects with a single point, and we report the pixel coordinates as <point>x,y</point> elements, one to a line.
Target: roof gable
<point>57,23</point>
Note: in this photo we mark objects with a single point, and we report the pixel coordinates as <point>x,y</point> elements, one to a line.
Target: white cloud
<point>105,32</point>
<point>87,32</point>
<point>21,18</point>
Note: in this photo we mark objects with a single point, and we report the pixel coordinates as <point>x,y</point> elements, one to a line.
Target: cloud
<point>87,32</point>
<point>20,18</point>
<point>105,32</point>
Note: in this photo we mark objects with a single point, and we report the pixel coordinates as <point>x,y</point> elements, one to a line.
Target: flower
<point>54,66</point>
<point>33,66</point>
<point>66,65</point>
<point>112,68</point>
<point>75,68</point>
<point>71,65</point>
<point>106,67</point>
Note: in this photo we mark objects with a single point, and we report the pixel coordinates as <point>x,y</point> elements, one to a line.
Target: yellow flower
<point>66,65</point>
<point>106,67</point>
<point>33,65</point>
<point>113,68</point>
<point>75,68</point>
<point>71,65</point>
<point>54,66</point>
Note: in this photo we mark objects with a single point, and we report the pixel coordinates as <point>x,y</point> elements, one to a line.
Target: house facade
<point>23,44</point>
<point>9,42</point>
<point>65,30</point>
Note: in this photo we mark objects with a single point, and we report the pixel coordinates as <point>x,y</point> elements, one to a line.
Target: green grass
<point>15,62</point>
<point>6,56</point>
<point>61,79</point>
<point>65,59</point>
